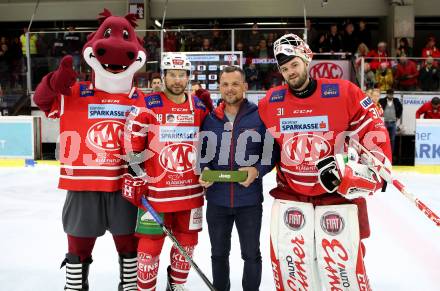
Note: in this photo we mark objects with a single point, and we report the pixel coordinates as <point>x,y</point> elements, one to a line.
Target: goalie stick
<point>388,177</point>
<point>159,220</point>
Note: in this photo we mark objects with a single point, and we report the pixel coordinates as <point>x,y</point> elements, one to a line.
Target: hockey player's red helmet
<point>289,46</point>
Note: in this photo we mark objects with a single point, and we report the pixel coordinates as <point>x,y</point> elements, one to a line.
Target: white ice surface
<point>403,252</point>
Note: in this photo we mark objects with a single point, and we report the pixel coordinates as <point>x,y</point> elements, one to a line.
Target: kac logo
<point>326,70</point>
<point>306,148</point>
<point>106,135</point>
<point>178,158</point>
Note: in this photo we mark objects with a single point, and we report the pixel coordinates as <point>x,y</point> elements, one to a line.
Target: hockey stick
<point>388,177</point>
<point>159,220</point>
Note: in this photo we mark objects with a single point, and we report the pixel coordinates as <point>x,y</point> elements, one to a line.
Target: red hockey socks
<point>126,243</point>
<point>179,269</point>
<point>148,262</point>
<point>81,246</point>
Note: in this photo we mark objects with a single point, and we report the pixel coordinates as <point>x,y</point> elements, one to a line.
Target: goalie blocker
<point>313,246</point>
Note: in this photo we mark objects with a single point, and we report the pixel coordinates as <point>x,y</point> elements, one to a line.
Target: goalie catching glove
<point>344,174</point>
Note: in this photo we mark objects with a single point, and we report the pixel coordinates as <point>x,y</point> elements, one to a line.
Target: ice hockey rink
<point>403,252</point>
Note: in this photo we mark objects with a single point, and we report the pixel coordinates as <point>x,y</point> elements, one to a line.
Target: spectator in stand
<point>312,35</point>
<point>430,49</point>
<point>156,83</point>
<point>32,43</point>
<point>263,66</point>
<point>349,39</point>
<point>379,56</point>
<point>252,77</point>
<point>384,77</point>
<point>429,110</point>
<point>406,74</point>
<point>404,49</point>
<point>41,67</point>
<point>369,76</point>
<point>58,51</point>
<point>273,78</point>
<point>170,41</point>
<point>429,76</point>
<point>362,52</point>
<point>334,39</point>
<point>269,43</point>
<point>364,34</point>
<point>72,39</point>
<point>33,50</point>
<point>218,39</point>
<point>4,66</point>
<point>206,45</point>
<point>322,44</point>
<point>152,45</point>
<point>16,65</point>
<point>392,108</point>
<point>253,38</point>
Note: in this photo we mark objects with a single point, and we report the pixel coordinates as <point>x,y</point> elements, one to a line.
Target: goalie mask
<point>289,46</point>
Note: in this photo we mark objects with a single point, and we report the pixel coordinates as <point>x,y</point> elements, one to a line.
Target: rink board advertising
<point>20,137</point>
<point>427,142</point>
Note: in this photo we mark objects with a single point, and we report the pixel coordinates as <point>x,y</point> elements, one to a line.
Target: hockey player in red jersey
<point>162,131</point>
<point>92,117</point>
<point>319,213</point>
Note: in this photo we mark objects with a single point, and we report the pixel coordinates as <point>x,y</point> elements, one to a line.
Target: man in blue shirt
<point>241,144</point>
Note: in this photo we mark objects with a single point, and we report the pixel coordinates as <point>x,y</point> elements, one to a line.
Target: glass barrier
<point>398,73</point>
<point>256,45</point>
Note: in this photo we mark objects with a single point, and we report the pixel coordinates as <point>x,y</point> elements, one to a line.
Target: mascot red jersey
<point>92,116</point>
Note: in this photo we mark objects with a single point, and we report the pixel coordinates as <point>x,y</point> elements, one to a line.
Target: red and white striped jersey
<point>91,132</point>
<point>309,129</point>
<point>167,133</point>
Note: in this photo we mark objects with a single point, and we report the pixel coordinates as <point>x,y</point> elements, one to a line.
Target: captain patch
<point>366,102</point>
<point>329,90</point>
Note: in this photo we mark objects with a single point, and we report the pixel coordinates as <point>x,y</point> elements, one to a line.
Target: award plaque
<point>224,176</point>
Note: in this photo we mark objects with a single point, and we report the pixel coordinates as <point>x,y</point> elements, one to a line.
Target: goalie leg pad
<point>293,246</point>
<point>339,254</point>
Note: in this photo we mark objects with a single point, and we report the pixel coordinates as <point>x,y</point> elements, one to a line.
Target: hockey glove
<point>64,77</point>
<point>133,188</point>
<point>346,176</point>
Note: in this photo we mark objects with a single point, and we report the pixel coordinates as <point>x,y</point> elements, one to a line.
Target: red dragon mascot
<point>92,116</point>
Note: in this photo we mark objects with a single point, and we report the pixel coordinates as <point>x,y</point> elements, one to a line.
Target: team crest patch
<point>329,90</point>
<point>135,95</point>
<point>366,102</point>
<point>84,91</point>
<point>277,96</point>
<point>152,101</point>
